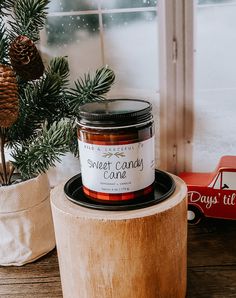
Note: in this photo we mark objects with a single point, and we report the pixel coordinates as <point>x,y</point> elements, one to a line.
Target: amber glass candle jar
<point>116,145</point>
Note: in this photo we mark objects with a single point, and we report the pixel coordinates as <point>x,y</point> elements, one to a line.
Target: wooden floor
<point>211,267</point>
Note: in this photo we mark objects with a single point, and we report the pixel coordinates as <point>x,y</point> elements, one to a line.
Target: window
<point>122,34</point>
<point>225,180</point>
<point>218,181</point>
<point>215,82</point>
<point>138,39</point>
<point>229,180</point>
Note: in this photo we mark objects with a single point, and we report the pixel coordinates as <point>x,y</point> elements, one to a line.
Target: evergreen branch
<point>40,101</point>
<point>5,6</point>
<point>60,66</point>
<point>3,43</point>
<point>29,18</point>
<point>73,144</point>
<point>29,120</point>
<point>103,80</point>
<point>52,90</point>
<point>36,155</point>
<point>89,89</point>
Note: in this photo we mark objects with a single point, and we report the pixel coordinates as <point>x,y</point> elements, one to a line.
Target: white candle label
<point>117,168</point>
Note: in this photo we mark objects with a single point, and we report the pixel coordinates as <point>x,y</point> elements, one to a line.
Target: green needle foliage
<point>3,43</point>
<point>40,135</point>
<point>91,88</point>
<point>5,5</point>
<point>45,129</point>
<point>41,101</point>
<point>36,155</point>
<point>28,18</point>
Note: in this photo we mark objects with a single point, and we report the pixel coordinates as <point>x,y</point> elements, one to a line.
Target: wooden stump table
<point>122,254</point>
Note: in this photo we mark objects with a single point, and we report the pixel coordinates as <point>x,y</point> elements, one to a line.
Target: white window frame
<point>176,25</point>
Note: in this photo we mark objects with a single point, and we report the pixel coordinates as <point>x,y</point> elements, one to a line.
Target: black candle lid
<point>115,112</point>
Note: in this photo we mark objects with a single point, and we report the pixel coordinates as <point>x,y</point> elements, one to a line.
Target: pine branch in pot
<point>37,125</point>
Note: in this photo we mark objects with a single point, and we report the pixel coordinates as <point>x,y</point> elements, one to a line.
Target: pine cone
<point>8,96</point>
<point>25,58</point>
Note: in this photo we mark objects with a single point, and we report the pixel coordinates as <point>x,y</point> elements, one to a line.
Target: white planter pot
<point>26,227</point>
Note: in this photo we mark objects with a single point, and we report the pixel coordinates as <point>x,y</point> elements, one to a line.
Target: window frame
<point>176,27</point>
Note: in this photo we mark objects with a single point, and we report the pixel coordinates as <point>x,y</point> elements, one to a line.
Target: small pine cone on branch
<point>9,104</point>
<point>25,58</point>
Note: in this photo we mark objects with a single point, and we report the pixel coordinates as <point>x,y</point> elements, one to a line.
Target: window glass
<point>132,55</point>
<point>217,182</point>
<point>215,1</point>
<point>229,180</point>
<point>76,37</point>
<point>72,5</point>
<point>131,49</point>
<point>214,104</point>
<point>107,4</point>
<point>125,38</point>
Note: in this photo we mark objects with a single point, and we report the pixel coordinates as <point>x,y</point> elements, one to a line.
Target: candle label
<point>117,168</point>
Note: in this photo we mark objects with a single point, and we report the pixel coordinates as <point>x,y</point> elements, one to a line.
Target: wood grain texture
<point>212,259</point>
<point>36,280</point>
<point>129,254</point>
<point>211,267</point>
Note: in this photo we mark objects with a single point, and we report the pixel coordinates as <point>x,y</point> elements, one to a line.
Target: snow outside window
<point>215,83</point>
